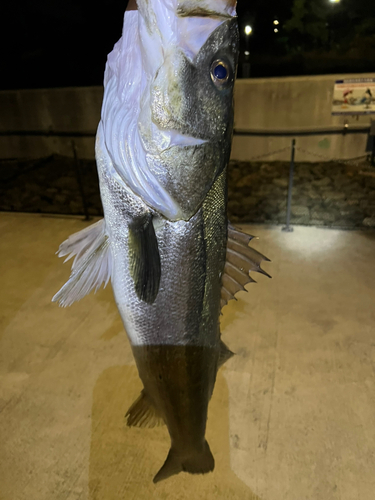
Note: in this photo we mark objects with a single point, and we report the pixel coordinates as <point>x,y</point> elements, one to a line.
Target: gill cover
<point>167,112</point>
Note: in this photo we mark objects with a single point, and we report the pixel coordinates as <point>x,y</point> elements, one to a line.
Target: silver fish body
<point>176,338</point>
<point>162,150</point>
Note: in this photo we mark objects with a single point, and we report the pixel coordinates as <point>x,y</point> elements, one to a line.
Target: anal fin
<point>143,414</point>
<point>144,257</point>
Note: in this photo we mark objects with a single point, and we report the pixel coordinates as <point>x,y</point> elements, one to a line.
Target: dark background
<point>56,44</point>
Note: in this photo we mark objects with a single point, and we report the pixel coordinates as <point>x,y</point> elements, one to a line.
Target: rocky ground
<point>49,185</point>
<point>324,194</point>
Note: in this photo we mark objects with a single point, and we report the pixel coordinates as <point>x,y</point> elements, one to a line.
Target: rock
<point>75,207</point>
<point>249,201</point>
<point>60,199</point>
<point>314,195</point>
<point>304,171</point>
<point>267,168</point>
<point>300,211</point>
<point>352,202</point>
<point>369,222</point>
<point>324,216</point>
<point>325,181</point>
<point>32,187</point>
<point>341,223</point>
<point>281,182</point>
<point>368,205</point>
<point>333,195</point>
<point>66,182</point>
<point>248,180</point>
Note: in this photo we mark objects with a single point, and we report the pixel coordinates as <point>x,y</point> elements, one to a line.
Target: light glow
<point>276,30</point>
<point>248,30</point>
<point>276,22</point>
<point>247,53</point>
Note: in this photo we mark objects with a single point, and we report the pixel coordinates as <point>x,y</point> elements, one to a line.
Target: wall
<point>261,104</point>
<point>294,103</point>
<point>62,110</point>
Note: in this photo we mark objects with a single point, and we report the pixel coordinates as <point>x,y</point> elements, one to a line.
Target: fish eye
<point>220,72</point>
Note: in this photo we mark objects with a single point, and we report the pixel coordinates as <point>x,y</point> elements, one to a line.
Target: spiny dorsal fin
<point>91,267</point>
<point>142,413</point>
<point>144,258</point>
<point>241,260</point>
<point>225,354</point>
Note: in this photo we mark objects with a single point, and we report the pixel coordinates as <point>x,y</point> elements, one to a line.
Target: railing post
<point>287,228</point>
<point>79,181</point>
<point>372,135</point>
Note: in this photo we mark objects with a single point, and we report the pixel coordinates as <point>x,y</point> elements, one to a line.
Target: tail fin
<point>197,463</point>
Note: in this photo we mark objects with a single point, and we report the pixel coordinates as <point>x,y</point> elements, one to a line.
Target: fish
<point>174,261</point>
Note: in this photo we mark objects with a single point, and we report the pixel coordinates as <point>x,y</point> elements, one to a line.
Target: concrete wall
<point>294,103</point>
<point>260,104</point>
<point>62,110</point>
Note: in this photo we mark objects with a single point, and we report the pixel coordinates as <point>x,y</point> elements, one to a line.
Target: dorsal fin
<point>241,260</point>
<point>91,267</point>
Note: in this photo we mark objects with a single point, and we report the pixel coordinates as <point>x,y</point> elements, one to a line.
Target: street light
<point>334,1</point>
<point>246,64</point>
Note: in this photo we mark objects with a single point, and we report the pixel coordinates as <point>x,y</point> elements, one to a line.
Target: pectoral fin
<point>92,265</point>
<point>240,261</point>
<point>142,413</point>
<point>144,258</point>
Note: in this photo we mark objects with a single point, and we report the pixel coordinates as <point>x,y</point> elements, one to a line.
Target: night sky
<point>57,44</point>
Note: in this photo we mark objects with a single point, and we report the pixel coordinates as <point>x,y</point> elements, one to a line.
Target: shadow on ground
<point>123,460</point>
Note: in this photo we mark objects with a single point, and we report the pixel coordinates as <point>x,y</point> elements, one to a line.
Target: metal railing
<point>344,130</point>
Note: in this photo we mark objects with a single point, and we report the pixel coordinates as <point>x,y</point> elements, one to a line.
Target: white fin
<point>241,260</point>
<point>91,267</point>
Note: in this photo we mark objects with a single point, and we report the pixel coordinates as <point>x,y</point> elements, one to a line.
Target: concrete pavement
<point>293,413</point>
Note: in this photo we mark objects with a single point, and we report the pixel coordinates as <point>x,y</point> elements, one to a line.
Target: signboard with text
<point>354,97</point>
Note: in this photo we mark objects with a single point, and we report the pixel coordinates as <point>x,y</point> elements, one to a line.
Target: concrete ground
<point>292,416</point>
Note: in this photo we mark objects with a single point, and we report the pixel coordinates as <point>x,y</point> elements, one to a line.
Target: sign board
<point>354,97</point>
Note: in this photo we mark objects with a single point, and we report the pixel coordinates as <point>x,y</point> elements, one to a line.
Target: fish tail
<point>197,463</point>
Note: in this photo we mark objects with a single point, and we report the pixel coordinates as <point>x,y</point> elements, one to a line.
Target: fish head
<point>181,85</point>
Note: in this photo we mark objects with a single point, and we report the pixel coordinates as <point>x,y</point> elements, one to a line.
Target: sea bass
<point>162,151</point>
